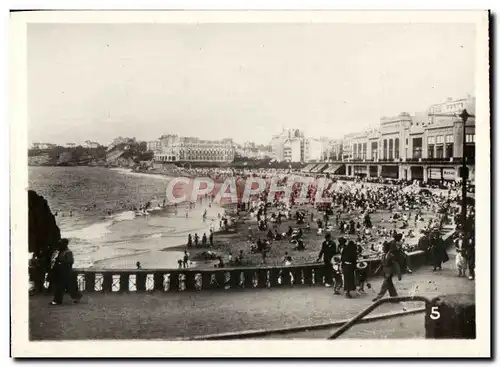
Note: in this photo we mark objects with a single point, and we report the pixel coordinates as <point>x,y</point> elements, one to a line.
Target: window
<point>390,148</point>
<point>396,148</point>
<point>431,140</point>
<point>449,139</point>
<point>430,151</point>
<point>449,150</point>
<point>384,153</point>
<point>417,147</point>
<point>406,141</point>
<point>439,151</point>
<point>439,139</point>
<point>374,150</point>
<point>470,138</point>
<point>364,150</point>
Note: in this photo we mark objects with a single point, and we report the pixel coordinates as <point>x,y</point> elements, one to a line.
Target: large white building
<point>313,150</point>
<point>172,148</point>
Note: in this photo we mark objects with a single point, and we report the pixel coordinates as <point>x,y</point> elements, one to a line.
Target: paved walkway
<point>182,315</point>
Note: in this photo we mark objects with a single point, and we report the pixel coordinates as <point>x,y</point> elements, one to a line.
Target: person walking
<point>390,267</point>
<point>438,251</point>
<point>348,260</point>
<point>328,249</point>
<point>62,271</point>
<point>470,255</point>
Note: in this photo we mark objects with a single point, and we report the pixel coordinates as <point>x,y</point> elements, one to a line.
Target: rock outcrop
<point>43,232</point>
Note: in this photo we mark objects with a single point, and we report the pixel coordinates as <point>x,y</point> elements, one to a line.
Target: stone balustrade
<point>230,278</point>
<point>175,280</point>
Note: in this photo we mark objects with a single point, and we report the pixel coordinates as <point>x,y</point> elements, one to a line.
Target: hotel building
<point>172,148</point>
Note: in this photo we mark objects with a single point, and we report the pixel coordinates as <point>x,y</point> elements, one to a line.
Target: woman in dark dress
<point>348,259</point>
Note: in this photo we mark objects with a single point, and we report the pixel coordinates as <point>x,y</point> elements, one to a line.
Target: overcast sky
<point>240,81</point>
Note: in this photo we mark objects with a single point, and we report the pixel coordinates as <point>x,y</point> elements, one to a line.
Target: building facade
<point>188,149</point>
<point>284,146</point>
<point>425,146</point>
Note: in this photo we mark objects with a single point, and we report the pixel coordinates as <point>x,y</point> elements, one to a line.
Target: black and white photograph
<point>261,176</point>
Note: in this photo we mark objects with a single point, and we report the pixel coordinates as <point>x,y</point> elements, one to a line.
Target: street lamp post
<point>464,116</point>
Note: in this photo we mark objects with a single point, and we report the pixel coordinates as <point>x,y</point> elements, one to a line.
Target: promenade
<point>182,315</point>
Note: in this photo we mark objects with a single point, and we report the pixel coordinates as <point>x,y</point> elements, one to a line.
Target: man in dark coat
<point>348,259</point>
<point>65,281</point>
<point>328,250</point>
<point>390,267</point>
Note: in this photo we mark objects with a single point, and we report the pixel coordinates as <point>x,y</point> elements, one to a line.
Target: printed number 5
<point>435,315</point>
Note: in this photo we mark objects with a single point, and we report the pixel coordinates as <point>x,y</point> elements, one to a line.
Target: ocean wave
<point>100,229</point>
<point>91,232</point>
<point>127,171</point>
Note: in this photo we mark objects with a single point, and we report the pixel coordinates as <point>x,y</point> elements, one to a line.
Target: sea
<point>93,207</point>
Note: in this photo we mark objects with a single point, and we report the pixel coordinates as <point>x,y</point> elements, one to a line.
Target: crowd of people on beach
<point>412,219</point>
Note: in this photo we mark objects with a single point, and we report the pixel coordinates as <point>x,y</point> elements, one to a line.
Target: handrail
<point>373,306</point>
<point>224,269</point>
<point>195,279</point>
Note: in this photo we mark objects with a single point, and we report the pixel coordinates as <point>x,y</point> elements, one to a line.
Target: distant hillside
<point>66,156</point>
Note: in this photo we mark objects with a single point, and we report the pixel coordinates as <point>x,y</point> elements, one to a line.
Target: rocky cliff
<point>43,232</point>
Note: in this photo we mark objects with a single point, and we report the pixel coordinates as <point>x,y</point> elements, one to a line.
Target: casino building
<point>172,148</point>
<point>425,147</point>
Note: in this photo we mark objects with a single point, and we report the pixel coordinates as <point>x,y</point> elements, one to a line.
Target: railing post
<point>158,282</point>
<point>248,282</point>
<point>107,282</point>
<point>190,280</point>
<point>140,279</point>
<point>274,277</point>
<point>206,279</point>
<point>308,276</point>
<point>319,272</point>
<point>174,282</point>
<point>89,282</point>
<point>285,276</point>
<point>297,276</point>
<point>235,279</point>
<point>220,279</point>
<point>262,278</point>
<point>124,282</point>
<point>451,317</point>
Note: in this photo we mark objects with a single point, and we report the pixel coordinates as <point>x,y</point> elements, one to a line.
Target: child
<point>460,259</point>
<point>337,275</point>
<point>361,275</point>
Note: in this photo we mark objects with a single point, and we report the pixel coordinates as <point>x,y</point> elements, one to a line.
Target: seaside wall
<point>185,280</point>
